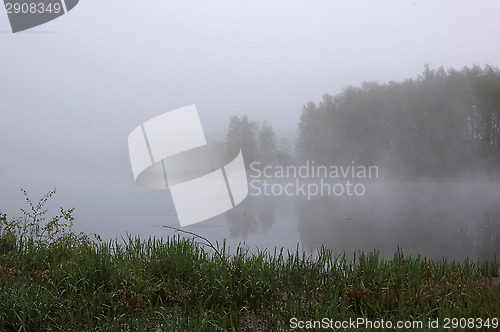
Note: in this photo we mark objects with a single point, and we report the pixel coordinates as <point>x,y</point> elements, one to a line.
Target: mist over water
<point>401,164</point>
<point>447,218</point>
<point>451,219</point>
<point>324,81</point>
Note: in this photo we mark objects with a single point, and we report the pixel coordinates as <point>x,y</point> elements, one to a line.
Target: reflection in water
<point>445,219</point>
<point>253,215</point>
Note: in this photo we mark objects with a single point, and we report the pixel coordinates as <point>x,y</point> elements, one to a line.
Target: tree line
<point>257,141</point>
<point>440,123</point>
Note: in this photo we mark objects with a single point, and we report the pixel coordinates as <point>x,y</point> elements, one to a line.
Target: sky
<point>72,90</point>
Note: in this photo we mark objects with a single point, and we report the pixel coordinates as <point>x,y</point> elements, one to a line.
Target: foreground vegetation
<point>72,282</point>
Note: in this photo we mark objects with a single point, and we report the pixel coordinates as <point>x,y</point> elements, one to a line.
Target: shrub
<point>35,229</point>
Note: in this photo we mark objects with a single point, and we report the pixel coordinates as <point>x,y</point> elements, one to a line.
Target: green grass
<point>175,284</point>
<point>54,280</point>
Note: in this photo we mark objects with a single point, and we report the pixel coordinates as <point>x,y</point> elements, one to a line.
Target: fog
<point>72,90</point>
<point>450,219</point>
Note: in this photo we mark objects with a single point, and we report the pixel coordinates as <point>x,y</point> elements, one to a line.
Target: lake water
<point>434,219</point>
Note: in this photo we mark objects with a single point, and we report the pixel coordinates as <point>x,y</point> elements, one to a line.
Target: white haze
<point>73,89</point>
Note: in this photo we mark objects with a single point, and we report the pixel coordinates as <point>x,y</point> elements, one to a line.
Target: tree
<point>267,145</point>
<point>242,134</point>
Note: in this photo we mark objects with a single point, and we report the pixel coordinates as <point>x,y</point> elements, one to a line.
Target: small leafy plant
<point>35,228</point>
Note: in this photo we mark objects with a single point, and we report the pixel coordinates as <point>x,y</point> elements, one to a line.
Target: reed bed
<point>54,280</point>
<point>177,284</point>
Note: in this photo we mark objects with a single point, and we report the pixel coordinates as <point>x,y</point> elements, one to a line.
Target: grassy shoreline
<point>176,284</point>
